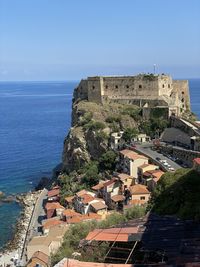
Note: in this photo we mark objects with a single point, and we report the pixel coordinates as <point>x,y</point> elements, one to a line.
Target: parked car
<point>157,158</point>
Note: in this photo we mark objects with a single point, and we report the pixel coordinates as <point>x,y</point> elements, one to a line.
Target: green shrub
<point>94,125</point>
<point>113,118</point>
<point>107,160</point>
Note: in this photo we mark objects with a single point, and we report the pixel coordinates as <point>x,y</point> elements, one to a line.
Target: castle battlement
<point>144,90</point>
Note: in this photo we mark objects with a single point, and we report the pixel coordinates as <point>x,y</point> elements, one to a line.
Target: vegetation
<point>178,194</point>
<point>91,176</point>
<point>129,134</point>
<point>94,125</point>
<point>113,118</point>
<point>87,117</point>
<point>132,111</point>
<point>79,231</point>
<point>108,160</point>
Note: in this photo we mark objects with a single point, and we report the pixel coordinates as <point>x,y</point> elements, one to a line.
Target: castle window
<point>127,86</point>
<point>140,86</point>
<point>183,93</point>
<point>168,85</point>
<point>182,100</point>
<point>106,86</point>
<point>116,86</point>
<point>163,86</point>
<point>93,87</point>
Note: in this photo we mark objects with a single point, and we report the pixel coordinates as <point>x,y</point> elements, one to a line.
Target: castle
<point>146,91</point>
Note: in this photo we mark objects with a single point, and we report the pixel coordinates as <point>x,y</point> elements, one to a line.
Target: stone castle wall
<point>144,89</point>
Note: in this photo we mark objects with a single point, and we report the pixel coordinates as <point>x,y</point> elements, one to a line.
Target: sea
<point>34,120</point>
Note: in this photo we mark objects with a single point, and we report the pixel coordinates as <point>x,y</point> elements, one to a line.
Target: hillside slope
<point>178,194</point>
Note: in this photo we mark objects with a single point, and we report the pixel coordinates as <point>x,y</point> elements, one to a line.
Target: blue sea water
<point>34,119</point>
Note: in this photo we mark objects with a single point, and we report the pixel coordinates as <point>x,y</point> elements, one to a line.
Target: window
<point>163,86</point>
<point>183,93</point>
<point>93,87</point>
<point>140,86</point>
<point>116,86</point>
<point>182,100</point>
<point>142,198</point>
<point>168,85</point>
<point>127,86</point>
<point>106,86</point>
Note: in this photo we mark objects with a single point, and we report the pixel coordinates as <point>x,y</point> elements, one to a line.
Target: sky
<point>70,40</point>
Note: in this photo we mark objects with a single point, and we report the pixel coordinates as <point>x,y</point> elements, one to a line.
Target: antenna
<point>154,69</point>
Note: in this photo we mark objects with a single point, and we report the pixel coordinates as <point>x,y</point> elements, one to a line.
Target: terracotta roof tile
<point>51,222</point>
<point>54,192</point>
<point>98,205</point>
<point>117,198</point>
<point>124,176</point>
<point>69,199</point>
<point>112,181</point>
<point>112,234</point>
<point>139,189</point>
<point>42,256</point>
<point>132,155</point>
<point>70,213</point>
<point>53,205</point>
<point>98,186</point>
<point>82,192</point>
<point>86,198</point>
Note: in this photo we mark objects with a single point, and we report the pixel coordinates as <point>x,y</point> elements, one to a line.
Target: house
<point>126,179</point>
<point>49,243</point>
<point>99,188</point>
<point>130,161</point>
<point>69,213</point>
<point>54,194</point>
<point>82,201</point>
<point>144,168</point>
<point>117,202</point>
<point>111,188</point>
<point>84,217</point>
<point>196,164</point>
<point>116,140</point>
<point>39,259</point>
<point>139,192</point>
<point>69,201</point>
<point>98,206</point>
<point>142,138</point>
<point>150,178</point>
<point>49,223</point>
<point>53,209</point>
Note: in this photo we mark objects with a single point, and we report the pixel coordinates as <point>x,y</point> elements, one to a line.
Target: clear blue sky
<point>67,40</point>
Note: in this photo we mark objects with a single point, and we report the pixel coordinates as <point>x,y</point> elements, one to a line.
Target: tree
<point>107,160</point>
<point>129,134</point>
<point>91,176</point>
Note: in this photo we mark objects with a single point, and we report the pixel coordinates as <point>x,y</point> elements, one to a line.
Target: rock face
<point>88,137</point>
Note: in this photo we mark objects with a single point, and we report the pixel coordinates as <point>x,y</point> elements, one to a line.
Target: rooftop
<point>69,199</point>
<point>117,198</point>
<point>86,198</point>
<point>70,213</point>
<point>98,205</point>
<point>131,154</point>
<point>54,192</point>
<point>139,189</point>
<point>42,256</point>
<point>53,205</point>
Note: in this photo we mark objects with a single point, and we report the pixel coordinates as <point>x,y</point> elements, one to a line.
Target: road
<point>37,216</point>
<point>146,149</point>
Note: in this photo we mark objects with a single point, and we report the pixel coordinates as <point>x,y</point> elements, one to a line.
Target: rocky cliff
<point>92,124</point>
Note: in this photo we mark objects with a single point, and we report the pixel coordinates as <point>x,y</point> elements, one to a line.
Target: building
<point>39,259</point>
<point>130,161</point>
<point>82,201</point>
<point>145,168</point>
<point>49,243</point>
<point>147,91</point>
<point>53,209</point>
<point>116,140</point>
<point>151,178</point>
<point>99,207</point>
<point>139,192</point>
<point>54,194</point>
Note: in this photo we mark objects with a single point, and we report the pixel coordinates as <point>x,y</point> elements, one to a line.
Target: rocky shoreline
<point>16,244</point>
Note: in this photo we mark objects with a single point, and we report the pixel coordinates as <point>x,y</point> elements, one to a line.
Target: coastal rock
<point>44,182</point>
<point>85,142</point>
